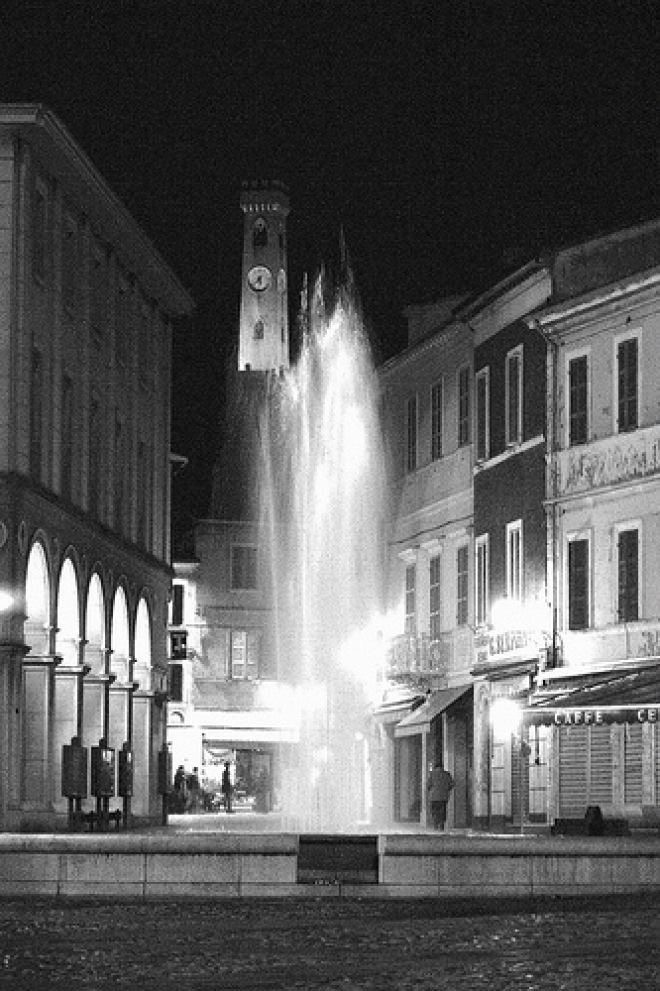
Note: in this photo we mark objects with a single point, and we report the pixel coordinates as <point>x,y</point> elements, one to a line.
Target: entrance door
<point>460,746</point>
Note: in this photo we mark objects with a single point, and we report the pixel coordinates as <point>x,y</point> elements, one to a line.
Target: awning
<point>419,721</point>
<point>395,704</point>
<point>633,697</point>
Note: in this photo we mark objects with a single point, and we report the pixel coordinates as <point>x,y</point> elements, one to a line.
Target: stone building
<point>225,701</point>
<point>86,313</point>
<point>426,402</point>
<point>598,700</point>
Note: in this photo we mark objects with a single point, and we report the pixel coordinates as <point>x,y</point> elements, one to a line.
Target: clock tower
<point>264,326</point>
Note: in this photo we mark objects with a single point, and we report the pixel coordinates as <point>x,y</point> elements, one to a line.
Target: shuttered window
<point>628,554</point>
<point>632,763</point>
<point>585,768</point>
<point>578,584</point>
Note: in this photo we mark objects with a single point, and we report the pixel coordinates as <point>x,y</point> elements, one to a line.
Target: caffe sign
<point>593,716</point>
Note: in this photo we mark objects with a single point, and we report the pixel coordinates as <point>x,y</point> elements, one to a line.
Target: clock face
<point>259,278</point>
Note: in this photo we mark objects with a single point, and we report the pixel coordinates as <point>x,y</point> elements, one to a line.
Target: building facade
<point>86,312</point>
<point>426,399</point>
<point>226,704</point>
<point>510,608</point>
<point>598,701</point>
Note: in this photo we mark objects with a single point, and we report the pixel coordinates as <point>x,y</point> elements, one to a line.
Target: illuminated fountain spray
<point>323,490</point>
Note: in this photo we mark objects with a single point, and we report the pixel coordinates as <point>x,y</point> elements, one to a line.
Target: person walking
<point>439,788</point>
<point>227,787</point>
<point>180,790</point>
<point>193,790</point>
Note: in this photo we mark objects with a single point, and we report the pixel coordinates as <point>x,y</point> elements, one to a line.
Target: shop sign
<point>593,716</point>
<point>505,645</point>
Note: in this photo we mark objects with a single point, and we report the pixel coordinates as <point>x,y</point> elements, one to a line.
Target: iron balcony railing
<point>418,653</point>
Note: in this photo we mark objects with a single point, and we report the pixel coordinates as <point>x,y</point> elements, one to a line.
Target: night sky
<point>450,141</point>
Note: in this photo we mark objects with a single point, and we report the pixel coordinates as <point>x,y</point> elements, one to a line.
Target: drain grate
<point>338,860</point>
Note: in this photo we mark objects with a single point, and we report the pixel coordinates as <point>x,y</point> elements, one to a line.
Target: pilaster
<point>38,683</point>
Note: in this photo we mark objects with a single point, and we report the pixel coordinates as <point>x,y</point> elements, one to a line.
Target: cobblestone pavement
<point>321,943</point>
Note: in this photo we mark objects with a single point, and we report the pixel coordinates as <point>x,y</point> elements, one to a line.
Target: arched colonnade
<point>87,672</point>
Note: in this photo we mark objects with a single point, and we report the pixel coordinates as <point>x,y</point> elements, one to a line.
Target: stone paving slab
<point>331,944</point>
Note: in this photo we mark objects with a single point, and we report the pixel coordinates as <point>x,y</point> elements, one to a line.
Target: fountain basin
<point>276,865</point>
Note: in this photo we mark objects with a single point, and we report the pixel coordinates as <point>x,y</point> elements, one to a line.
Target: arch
<point>119,637</point>
<point>143,644</point>
<point>95,624</point>
<point>67,637</point>
<point>37,601</point>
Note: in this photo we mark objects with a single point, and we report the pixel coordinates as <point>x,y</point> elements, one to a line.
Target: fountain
<point>322,491</point>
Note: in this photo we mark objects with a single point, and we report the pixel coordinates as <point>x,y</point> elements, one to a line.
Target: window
<point>145,349</point>
<point>483,424</point>
<point>245,651</point>
<point>175,682</point>
<point>243,567</point>
<point>578,398</point>
<point>177,604</point>
<point>67,445</point>
<point>410,623</point>
<point>411,433</point>
<point>179,645</point>
<point>464,407</point>
<point>627,385</point>
<point>36,414</point>
<point>462,586</point>
<point>122,320</point>
<point>94,480</point>
<point>120,469</point>
<point>514,581</point>
<point>70,264</point>
<point>434,598</point>
<point>39,231</point>
<point>144,496</point>
<point>436,420</point>
<point>513,386</point>
<point>259,233</point>
<point>98,290</point>
<point>259,330</point>
<point>578,584</point>
<point>482,570</point>
<point>628,576</point>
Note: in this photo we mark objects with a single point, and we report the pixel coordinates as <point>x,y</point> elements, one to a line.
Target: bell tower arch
<point>264,324</point>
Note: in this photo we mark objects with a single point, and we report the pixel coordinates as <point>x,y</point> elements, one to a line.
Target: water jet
<point>322,488</point>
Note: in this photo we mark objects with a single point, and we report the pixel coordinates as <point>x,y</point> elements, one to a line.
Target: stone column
<point>67,719</point>
<point>11,656</point>
<point>146,744</point>
<point>38,731</point>
<point>94,726</point>
<point>424,816</point>
<point>119,723</point>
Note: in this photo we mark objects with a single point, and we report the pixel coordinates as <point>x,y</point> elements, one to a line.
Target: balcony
<point>615,459</point>
<point>416,655</point>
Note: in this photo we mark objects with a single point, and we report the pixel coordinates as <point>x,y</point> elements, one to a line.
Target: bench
<point>650,818</point>
<point>593,824</point>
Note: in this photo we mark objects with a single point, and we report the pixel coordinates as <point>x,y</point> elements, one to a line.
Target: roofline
<point>24,117</point>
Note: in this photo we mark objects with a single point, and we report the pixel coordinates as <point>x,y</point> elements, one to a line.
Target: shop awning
<point>395,704</point>
<point>633,697</point>
<point>419,721</point>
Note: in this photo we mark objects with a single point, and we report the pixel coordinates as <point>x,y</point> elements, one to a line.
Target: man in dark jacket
<point>439,786</point>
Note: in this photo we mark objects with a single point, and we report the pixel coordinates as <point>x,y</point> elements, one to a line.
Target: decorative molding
<point>619,458</point>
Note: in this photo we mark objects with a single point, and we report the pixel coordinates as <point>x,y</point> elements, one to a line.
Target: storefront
<point>438,731</point>
<point>604,744</point>
<point>252,768</point>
